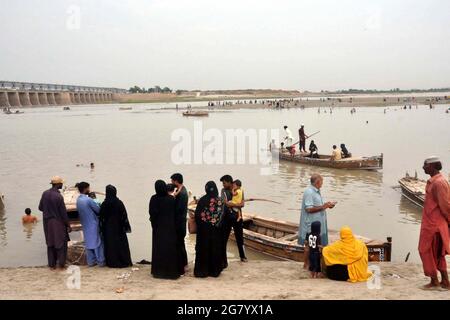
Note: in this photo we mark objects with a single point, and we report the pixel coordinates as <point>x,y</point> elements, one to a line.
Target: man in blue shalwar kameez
<point>88,211</point>
<point>313,209</point>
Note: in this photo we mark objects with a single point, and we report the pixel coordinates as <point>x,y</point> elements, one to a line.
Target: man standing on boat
<point>313,209</point>
<point>302,138</point>
<point>434,231</point>
<point>289,140</point>
<point>56,224</point>
<point>88,210</point>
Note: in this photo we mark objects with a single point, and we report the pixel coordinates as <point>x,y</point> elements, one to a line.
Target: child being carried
<point>237,198</point>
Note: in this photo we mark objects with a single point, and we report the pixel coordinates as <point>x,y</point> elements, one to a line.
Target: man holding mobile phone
<point>314,209</point>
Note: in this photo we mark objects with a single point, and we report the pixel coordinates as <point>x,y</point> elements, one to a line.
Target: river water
<point>132,149</point>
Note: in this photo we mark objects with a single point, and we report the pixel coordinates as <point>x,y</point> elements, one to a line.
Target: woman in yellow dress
<point>347,259</point>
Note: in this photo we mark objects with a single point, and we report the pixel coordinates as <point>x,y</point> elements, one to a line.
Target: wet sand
<point>252,280</point>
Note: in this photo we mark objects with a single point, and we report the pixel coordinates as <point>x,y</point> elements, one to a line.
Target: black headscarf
<point>111,192</point>
<point>211,189</point>
<point>315,228</point>
<point>161,188</point>
<point>113,206</point>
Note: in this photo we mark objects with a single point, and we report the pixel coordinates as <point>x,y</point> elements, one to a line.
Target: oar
<point>308,137</point>
<point>260,199</point>
<point>251,199</point>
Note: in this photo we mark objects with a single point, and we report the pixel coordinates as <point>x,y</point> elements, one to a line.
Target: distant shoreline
<point>322,101</point>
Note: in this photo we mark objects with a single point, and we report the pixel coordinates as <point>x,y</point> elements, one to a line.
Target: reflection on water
<point>411,212</point>
<point>28,230</point>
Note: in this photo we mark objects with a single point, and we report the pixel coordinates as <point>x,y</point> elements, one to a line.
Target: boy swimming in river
<point>28,217</point>
<point>237,198</point>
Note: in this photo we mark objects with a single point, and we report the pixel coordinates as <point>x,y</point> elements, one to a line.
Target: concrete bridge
<point>24,94</point>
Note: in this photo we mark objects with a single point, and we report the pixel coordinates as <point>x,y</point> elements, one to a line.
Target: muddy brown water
<point>132,149</point>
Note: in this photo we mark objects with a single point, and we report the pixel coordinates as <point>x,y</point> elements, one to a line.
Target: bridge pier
<point>83,98</point>
<point>77,98</point>
<point>4,101</point>
<point>34,98</point>
<point>51,98</point>
<point>24,98</point>
<point>43,98</point>
<point>14,100</point>
<point>63,98</point>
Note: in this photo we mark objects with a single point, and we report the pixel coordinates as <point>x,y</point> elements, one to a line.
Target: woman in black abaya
<point>209,244</point>
<point>164,240</point>
<point>114,227</point>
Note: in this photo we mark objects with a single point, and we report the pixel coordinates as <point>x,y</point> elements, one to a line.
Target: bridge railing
<point>28,86</point>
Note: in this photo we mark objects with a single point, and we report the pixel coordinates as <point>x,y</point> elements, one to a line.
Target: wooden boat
<point>191,113</point>
<point>355,163</point>
<point>75,248</point>
<point>66,108</point>
<point>125,108</point>
<point>413,189</point>
<point>279,239</point>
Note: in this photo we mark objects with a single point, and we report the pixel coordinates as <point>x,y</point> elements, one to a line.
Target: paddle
<point>260,199</point>
<point>307,137</point>
<point>250,199</point>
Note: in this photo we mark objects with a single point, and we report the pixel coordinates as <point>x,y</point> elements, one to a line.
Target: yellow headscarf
<point>351,252</point>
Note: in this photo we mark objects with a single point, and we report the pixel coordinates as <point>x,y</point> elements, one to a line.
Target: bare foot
<point>431,285</point>
<point>445,284</point>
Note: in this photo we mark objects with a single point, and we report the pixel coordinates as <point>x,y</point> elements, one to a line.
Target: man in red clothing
<point>434,232</point>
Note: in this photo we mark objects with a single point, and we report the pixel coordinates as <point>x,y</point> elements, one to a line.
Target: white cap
<point>302,125</point>
<point>432,159</point>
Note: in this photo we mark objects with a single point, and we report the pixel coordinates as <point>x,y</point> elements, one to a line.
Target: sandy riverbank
<point>253,280</point>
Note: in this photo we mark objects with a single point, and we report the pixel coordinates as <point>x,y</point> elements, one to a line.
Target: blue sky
<point>215,44</point>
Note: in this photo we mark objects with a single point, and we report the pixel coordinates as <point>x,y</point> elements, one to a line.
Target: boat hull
<point>364,163</point>
<point>413,189</point>
<point>196,114</point>
<point>278,239</point>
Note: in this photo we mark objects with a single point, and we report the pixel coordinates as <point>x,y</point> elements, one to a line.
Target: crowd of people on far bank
<point>105,228</point>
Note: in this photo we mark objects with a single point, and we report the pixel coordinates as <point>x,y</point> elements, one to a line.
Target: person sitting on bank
<point>28,217</point>
<point>336,154</point>
<point>314,151</point>
<point>345,153</point>
<point>347,259</point>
